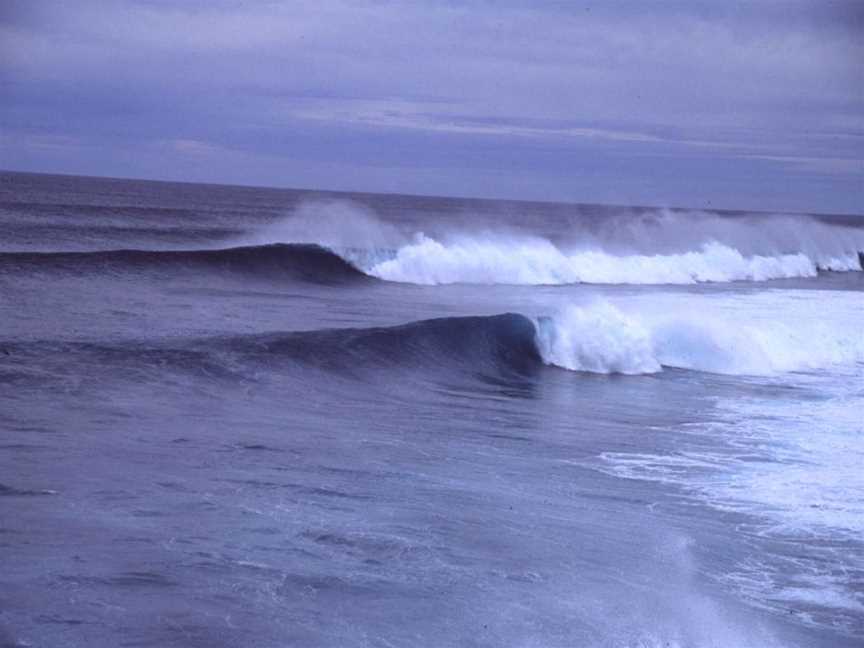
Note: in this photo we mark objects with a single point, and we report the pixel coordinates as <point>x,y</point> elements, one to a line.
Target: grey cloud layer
<point>590,100</point>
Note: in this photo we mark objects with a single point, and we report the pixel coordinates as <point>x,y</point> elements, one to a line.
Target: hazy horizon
<point>492,199</point>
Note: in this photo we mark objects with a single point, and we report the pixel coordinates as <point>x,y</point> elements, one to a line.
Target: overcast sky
<point>755,105</point>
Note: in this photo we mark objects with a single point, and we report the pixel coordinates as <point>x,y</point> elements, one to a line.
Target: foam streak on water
<point>786,457</point>
<point>792,466</point>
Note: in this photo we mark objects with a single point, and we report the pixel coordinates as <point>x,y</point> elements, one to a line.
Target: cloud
<point>334,80</point>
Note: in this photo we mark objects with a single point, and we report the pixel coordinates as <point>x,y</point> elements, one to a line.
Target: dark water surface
<point>252,417</point>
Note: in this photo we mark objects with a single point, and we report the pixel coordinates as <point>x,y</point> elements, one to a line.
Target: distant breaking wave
<point>539,262</point>
<point>339,242</point>
<point>609,247</point>
<point>429,262</point>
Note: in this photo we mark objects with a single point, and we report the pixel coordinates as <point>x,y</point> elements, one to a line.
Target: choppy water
<point>249,417</point>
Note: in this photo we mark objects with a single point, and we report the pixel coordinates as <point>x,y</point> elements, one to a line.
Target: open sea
<point>243,417</point>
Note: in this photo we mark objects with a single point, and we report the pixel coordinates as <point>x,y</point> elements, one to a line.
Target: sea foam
<point>743,335</point>
<point>536,261</point>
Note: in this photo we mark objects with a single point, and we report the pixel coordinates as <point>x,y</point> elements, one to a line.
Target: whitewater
<point>539,262</point>
<point>760,334</point>
<point>277,417</point>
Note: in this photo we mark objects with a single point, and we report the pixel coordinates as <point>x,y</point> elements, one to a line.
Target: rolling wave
<point>534,261</point>
<point>307,262</point>
<point>602,338</point>
<point>571,246</point>
<point>497,345</point>
<point>492,258</point>
<point>595,338</point>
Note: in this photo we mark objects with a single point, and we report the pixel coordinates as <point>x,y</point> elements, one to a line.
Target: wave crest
<point>596,338</point>
<point>428,261</point>
<point>600,338</point>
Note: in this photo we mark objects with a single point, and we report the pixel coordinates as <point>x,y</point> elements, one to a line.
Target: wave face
<point>307,262</point>
<point>497,343</point>
<point>494,346</point>
<point>599,338</point>
<point>539,262</point>
<point>602,338</point>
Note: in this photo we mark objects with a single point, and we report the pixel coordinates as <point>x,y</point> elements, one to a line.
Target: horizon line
<point>720,210</point>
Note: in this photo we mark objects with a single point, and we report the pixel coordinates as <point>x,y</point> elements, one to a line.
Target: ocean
<point>239,417</point>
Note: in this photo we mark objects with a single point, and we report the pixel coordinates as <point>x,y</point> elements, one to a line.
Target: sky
<point>723,104</point>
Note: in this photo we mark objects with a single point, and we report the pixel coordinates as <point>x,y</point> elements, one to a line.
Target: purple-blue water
<point>249,417</point>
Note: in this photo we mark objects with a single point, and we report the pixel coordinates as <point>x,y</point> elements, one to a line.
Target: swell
<point>307,262</point>
<point>500,343</point>
<point>90,211</point>
<point>490,346</point>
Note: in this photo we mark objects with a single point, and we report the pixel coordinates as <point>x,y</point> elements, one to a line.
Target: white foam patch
<point>536,261</point>
<point>815,482</point>
<point>793,463</point>
<point>738,335</point>
<point>599,339</point>
<point>787,454</point>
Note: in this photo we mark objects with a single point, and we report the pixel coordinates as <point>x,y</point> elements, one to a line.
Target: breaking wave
<point>601,338</point>
<point>533,261</point>
<point>335,242</point>
<point>574,244</point>
<point>595,338</point>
